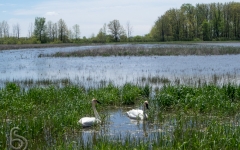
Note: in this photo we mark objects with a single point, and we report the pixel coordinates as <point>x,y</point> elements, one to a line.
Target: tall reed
<point>180,116</point>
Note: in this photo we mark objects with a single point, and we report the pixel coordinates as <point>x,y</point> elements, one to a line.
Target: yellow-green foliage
<point>205,99</point>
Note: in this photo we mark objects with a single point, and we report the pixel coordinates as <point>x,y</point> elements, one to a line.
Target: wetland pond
<point>27,68</point>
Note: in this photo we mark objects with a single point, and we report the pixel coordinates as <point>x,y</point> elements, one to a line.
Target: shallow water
<point>24,64</point>
<point>118,126</point>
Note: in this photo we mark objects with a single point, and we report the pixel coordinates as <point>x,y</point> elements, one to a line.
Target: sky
<point>90,15</point>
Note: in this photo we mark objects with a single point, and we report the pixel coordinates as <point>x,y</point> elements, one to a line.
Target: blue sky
<point>90,15</point>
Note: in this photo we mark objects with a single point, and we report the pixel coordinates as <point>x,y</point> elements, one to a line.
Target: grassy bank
<point>203,117</point>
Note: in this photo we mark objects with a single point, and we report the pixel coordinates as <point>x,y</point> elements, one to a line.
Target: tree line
<point>204,22</point>
<point>58,32</point>
<point>207,22</point>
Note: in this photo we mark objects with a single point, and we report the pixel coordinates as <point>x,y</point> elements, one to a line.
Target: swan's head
<point>146,104</point>
<point>95,101</point>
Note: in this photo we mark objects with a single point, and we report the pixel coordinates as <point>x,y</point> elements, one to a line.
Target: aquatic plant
<point>209,99</point>
<point>136,50</point>
<point>180,116</point>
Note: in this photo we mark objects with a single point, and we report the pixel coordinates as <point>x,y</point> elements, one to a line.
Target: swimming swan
<point>89,121</point>
<point>137,113</point>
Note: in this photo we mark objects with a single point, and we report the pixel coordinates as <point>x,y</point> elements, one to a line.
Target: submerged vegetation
<point>185,117</point>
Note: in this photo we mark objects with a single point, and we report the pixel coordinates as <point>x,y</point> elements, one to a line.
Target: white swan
<point>89,121</point>
<point>137,113</point>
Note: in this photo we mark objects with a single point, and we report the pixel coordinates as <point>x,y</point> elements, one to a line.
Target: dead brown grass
<point>27,46</point>
<point>155,51</point>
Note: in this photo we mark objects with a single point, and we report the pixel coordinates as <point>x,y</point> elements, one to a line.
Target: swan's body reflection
<point>142,125</point>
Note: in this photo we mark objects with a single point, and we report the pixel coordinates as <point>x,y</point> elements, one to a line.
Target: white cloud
<point>51,13</point>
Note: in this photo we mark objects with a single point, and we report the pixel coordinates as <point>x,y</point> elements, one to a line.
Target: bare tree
<point>55,31</point>
<point>102,35</point>
<point>30,30</point>
<point>49,30</point>
<point>76,31</point>
<point>70,34</point>
<point>16,30</point>
<point>1,30</point>
<point>5,29</point>
<point>104,29</point>
<point>129,30</point>
<point>115,29</point>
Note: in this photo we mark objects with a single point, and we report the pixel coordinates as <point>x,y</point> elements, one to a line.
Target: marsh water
<point>25,65</point>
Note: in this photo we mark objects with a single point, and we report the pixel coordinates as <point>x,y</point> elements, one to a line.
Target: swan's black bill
<point>98,102</point>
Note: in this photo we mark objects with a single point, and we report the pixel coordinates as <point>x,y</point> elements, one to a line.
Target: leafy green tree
<point>39,28</point>
<point>188,19</point>
<point>235,19</point>
<point>202,14</point>
<point>216,19</point>
<point>62,31</point>
<point>49,30</point>
<point>54,31</point>
<point>205,31</point>
<point>175,20</point>
<point>102,35</point>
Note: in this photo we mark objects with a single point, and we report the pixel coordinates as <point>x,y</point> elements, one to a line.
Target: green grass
<point>190,117</point>
<point>211,99</point>
<point>56,110</point>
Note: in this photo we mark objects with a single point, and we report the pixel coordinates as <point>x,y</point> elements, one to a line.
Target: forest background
<point>202,22</point>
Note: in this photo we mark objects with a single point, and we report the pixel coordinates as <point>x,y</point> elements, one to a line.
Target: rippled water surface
<point>24,64</point>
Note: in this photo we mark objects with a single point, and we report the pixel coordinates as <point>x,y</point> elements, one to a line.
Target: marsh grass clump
<point>135,50</point>
<point>210,99</point>
<point>203,132</point>
<point>158,79</point>
<point>180,116</point>
<point>46,113</point>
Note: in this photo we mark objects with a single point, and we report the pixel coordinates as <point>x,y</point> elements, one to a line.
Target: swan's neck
<point>144,112</point>
<point>95,112</point>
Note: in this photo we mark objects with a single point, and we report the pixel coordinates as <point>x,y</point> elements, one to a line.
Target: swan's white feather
<point>135,114</point>
<point>88,121</point>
